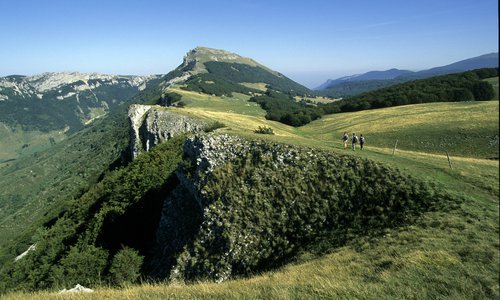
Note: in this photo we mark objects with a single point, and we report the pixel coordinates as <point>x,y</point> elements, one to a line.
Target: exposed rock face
<point>151,125</point>
<point>136,114</point>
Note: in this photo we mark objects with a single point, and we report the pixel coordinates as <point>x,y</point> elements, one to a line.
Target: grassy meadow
<point>451,254</point>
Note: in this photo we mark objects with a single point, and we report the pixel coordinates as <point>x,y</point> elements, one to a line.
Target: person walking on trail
<point>345,138</point>
<point>354,140</point>
<point>361,141</point>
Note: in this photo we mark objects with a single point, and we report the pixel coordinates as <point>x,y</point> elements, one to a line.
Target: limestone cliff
<point>151,125</point>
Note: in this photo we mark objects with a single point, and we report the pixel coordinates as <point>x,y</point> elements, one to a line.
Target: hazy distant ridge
<point>359,83</point>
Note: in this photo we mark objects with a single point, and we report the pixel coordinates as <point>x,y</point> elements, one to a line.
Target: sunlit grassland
<point>237,104</point>
<point>258,86</point>
<point>465,128</point>
<point>450,254</point>
<point>382,128</point>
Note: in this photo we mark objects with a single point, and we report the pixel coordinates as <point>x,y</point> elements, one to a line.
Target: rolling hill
<point>261,213</point>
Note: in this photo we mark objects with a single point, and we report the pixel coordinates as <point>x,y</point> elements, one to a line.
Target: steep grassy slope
<point>122,210</point>
<point>446,254</point>
<point>51,177</point>
<point>221,73</point>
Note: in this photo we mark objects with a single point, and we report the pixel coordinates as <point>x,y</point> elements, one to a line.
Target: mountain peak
<point>197,57</point>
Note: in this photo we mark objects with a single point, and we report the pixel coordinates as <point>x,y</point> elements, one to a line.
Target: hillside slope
<point>34,186</point>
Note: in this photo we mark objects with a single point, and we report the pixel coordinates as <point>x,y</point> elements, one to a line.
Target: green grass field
<point>445,255</point>
<point>461,128</point>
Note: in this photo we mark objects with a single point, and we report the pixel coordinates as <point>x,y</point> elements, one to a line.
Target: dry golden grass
<point>258,86</point>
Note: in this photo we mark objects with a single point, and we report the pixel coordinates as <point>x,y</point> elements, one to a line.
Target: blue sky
<point>309,41</point>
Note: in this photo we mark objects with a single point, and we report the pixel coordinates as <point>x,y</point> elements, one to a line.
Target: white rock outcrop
<point>77,289</point>
<point>20,256</point>
<point>152,125</point>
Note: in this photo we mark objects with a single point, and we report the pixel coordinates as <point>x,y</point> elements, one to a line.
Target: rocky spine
<point>151,125</point>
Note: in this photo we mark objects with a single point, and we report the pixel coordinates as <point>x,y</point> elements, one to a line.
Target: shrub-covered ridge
<point>261,203</point>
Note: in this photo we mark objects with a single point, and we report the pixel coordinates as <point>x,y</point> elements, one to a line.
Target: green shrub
<point>126,266</point>
<point>215,125</point>
<point>83,265</point>
<point>264,130</point>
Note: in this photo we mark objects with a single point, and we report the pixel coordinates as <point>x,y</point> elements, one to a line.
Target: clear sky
<point>309,40</point>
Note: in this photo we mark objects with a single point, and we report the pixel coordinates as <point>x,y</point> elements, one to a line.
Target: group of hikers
<point>354,140</point>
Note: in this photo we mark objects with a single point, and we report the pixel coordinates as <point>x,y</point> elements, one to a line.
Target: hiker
<point>345,138</point>
<point>354,140</point>
<point>361,141</point>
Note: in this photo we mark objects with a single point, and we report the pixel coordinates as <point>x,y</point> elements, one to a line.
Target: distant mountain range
<point>356,84</point>
<point>38,110</point>
<point>54,101</point>
<point>372,75</point>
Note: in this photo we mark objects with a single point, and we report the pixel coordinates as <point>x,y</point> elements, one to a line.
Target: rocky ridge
<point>151,125</point>
<point>37,85</point>
<point>199,55</point>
